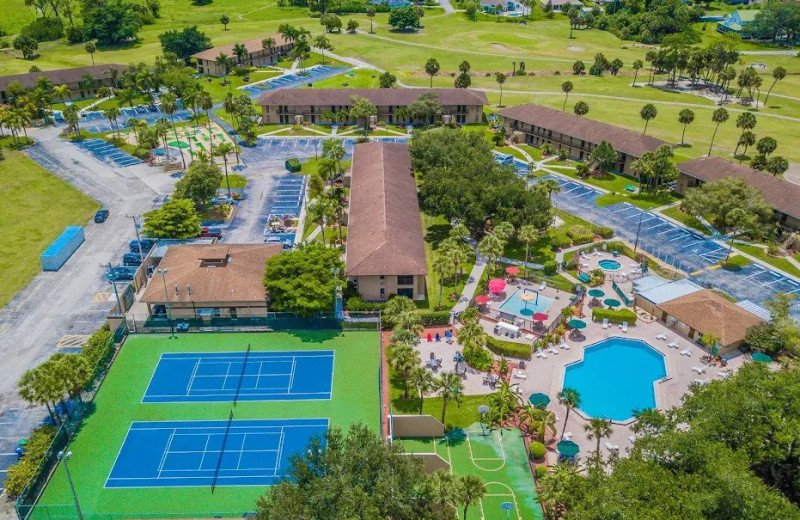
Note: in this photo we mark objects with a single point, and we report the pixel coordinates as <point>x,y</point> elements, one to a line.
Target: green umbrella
<point>596,293</point>
<point>611,302</point>
<point>576,324</point>
<point>715,350</point>
<point>761,357</point>
<point>539,400</point>
<point>568,448</point>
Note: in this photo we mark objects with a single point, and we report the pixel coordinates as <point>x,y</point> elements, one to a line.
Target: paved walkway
<point>447,6</point>
<point>471,286</point>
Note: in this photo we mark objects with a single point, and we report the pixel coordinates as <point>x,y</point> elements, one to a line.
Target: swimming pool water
<point>515,305</point>
<point>609,265</point>
<point>616,377</point>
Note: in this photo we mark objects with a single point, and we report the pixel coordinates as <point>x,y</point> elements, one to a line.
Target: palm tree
<point>443,487</point>
<point>422,380</point>
<point>746,121</point>
<point>685,117</point>
<point>719,116</point>
<point>162,131</point>
<point>491,247</point>
<point>112,113</point>
<point>205,103</point>
<point>169,103</point>
<point>648,112</point>
<point>450,389</point>
<point>747,139</point>
<point>31,388</point>
<point>471,336</point>
<point>539,421</point>
<point>597,428</point>
<point>321,212</point>
<point>403,358</point>
<point>133,124</point>
<point>431,68</point>
<point>566,88</point>
<point>223,62</point>
<point>370,15</point>
<point>61,92</point>
<point>395,308</point>
<point>778,73</point>
<point>470,488</point>
<point>440,264</point>
<point>223,150</point>
<point>570,398</point>
<point>637,64</point>
<point>526,235</point>
<point>240,51</point>
<point>91,48</point>
<point>500,78</point>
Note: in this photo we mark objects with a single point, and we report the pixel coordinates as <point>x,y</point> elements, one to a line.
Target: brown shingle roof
<point>59,76</point>
<point>595,132</point>
<point>252,46</point>
<point>782,195</point>
<point>384,231</point>
<point>238,278</point>
<point>709,313</point>
<point>377,96</point>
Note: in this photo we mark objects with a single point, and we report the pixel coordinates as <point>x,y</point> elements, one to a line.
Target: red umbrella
<point>482,299</point>
<point>540,316</point>
<point>512,270</point>
<point>496,285</point>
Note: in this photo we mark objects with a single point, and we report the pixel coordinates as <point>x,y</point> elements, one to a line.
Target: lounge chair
<point>551,348</point>
<point>567,435</point>
<point>724,374</point>
<point>687,352</point>
<point>662,336</point>
<point>699,370</point>
<point>563,344</point>
<point>519,374</point>
<point>612,447</point>
<point>673,344</point>
<point>540,354</point>
<point>605,323</point>
<point>702,382</point>
<point>624,326</point>
<point>543,286</point>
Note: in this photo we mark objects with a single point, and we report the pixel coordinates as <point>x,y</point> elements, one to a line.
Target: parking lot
<point>292,80</point>
<point>302,147</point>
<point>680,247</point>
<point>107,152</point>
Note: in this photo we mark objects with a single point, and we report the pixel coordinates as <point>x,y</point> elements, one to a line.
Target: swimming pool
<point>514,304</point>
<point>616,377</point>
<point>609,265</point>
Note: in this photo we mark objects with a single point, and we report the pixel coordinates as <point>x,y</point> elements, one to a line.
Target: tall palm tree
<point>133,124</point>
<point>205,103</point>
<point>778,73</point>
<point>30,388</point>
<point>450,389</point>
<point>598,428</point>
<point>492,248</point>
<point>112,113</point>
<point>719,116</point>
<point>321,212</point>
<point>686,118</point>
<point>470,488</point>
<point>526,235</point>
<point>648,112</point>
<point>566,88</point>
<point>422,380</point>
<point>637,64</point>
<point>223,150</point>
<point>268,44</point>
<point>539,421</point>
<point>223,62</point>
<point>443,487</point>
<point>403,358</point>
<point>440,264</point>
<point>162,131</point>
<point>569,398</point>
<point>471,336</point>
<point>169,103</point>
<point>61,92</point>
<point>746,121</point>
<point>240,51</point>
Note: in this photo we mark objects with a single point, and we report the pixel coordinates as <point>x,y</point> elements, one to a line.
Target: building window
<point>408,293</point>
<point>405,280</point>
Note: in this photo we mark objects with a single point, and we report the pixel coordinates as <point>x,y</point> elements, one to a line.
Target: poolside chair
<point>552,349</point>
<point>543,286</point>
<point>702,382</point>
<point>567,435</point>
<point>605,323</point>
<point>699,370</point>
<point>611,447</point>
<point>624,326</point>
<point>519,374</point>
<point>563,344</point>
<point>662,336</point>
<point>540,354</point>
<point>673,344</point>
<point>724,374</point>
<point>687,352</point>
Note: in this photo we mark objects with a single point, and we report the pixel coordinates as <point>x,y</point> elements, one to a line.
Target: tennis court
<point>241,376</point>
<point>210,453</point>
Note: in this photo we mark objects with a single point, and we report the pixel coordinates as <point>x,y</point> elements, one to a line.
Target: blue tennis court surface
<point>257,376</point>
<point>205,453</point>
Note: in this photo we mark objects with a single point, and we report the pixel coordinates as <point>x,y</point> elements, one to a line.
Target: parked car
<point>221,199</point>
<point>121,273</point>
<point>131,259</point>
<point>211,232</point>
<point>101,216</point>
<point>146,245</point>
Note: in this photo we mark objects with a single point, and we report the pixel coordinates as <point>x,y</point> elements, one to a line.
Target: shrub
<point>478,358</point>
<point>537,450</point>
<point>141,153</point>
<point>356,304</point>
<point>381,123</point>
<point>550,268</point>
<point>606,232</point>
<point>508,348</point>
<point>580,234</point>
<point>562,154</point>
<point>76,34</point>
<point>614,315</point>
<point>21,473</point>
<point>558,239</point>
<point>541,471</point>
<point>44,29</point>
<point>293,165</point>
<point>435,317</point>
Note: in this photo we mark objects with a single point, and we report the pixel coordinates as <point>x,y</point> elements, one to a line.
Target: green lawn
<point>218,91</point>
<point>355,399</point>
<point>686,219</point>
<point>38,206</point>
<point>615,184</point>
<point>359,78</point>
<point>80,103</point>
<point>113,102</point>
<point>237,181</point>
<point>761,254</point>
<point>735,262</point>
<point>436,229</point>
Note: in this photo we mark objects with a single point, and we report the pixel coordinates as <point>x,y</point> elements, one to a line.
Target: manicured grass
<point>113,102</point>
<point>686,219</point>
<point>435,229</point>
<point>735,262</point>
<point>616,184</point>
<point>355,399</point>
<point>37,207</point>
<point>761,254</point>
<point>237,181</point>
<point>511,151</point>
<point>80,103</point>
<point>218,91</point>
<point>641,200</point>
<point>359,78</point>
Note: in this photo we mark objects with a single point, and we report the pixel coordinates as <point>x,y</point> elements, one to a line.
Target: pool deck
<point>560,300</point>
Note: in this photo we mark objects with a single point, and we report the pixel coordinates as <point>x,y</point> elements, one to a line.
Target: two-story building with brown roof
<point>257,55</point>
<point>73,78</point>
<point>385,249</point>
<point>577,135</point>
<point>782,195</point>
<point>291,106</point>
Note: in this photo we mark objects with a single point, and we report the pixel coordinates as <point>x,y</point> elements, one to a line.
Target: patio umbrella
<point>576,324</point>
<point>568,448</point>
<point>596,293</point>
<point>526,297</point>
<point>761,357</point>
<point>539,400</point>
<point>715,350</point>
<point>611,302</point>
<point>512,270</point>
<point>482,299</point>
<point>540,316</point>
<point>496,285</point>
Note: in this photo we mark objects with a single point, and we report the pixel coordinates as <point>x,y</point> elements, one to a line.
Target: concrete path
<point>471,286</point>
<point>447,6</point>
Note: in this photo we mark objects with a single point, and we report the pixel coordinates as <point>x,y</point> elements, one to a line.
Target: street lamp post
<point>483,410</point>
<point>638,230</point>
<point>65,457</point>
<point>163,273</point>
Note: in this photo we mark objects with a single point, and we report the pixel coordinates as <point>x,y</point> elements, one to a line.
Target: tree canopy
<point>715,200</point>
<point>175,219</point>
<point>404,18</point>
<point>302,281</point>
<point>185,43</point>
<point>200,182</point>
<point>111,21</point>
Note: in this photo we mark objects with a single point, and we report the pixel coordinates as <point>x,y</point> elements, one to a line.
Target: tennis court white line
<point>280,454</point>
<point>166,451</point>
<point>291,377</point>
<point>205,450</point>
<point>232,428</point>
<point>198,393</point>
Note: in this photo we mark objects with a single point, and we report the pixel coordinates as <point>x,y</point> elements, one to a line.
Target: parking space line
<point>72,340</point>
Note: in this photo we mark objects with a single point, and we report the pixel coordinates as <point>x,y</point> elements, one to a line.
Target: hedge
<point>508,348</point>
<point>435,317</point>
<point>356,304</point>
<point>293,165</point>
<point>541,471</point>
<point>21,473</point>
<point>614,316</point>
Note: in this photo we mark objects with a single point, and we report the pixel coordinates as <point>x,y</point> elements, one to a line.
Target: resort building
<point>83,82</point>
<point>257,55</point>
<point>782,195</point>
<point>296,106</point>
<point>385,250</point>
<point>208,281</point>
<point>577,135</point>
<point>736,21</point>
<point>694,311</point>
<point>559,5</point>
<point>491,6</point>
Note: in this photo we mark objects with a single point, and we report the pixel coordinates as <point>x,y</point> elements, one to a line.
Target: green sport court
<point>197,453</point>
<point>498,457</point>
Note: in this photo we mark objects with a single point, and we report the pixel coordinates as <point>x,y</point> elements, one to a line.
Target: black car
<point>131,259</point>
<point>121,273</point>
<point>101,216</point>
